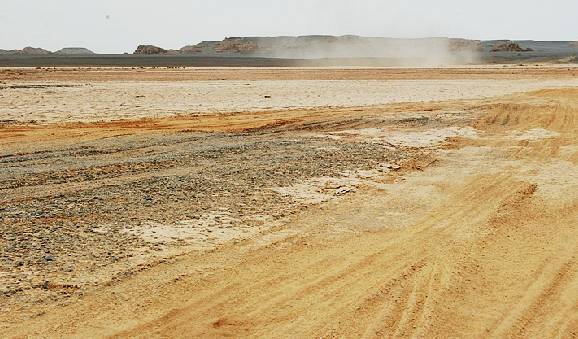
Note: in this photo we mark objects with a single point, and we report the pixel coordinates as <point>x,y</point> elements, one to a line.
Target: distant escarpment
<point>323,46</point>
<point>376,50</point>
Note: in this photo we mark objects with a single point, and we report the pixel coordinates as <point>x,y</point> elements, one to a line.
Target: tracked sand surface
<point>411,219</point>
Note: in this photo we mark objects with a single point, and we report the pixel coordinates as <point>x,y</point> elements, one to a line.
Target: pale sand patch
<point>535,134</point>
<point>318,190</point>
<point>210,229</point>
<point>322,189</point>
<point>114,100</point>
<point>417,139</point>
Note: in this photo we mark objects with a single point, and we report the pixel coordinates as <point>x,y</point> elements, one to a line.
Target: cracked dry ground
<point>470,234</point>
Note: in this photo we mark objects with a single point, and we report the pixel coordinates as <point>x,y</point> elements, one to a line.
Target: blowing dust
<point>425,52</point>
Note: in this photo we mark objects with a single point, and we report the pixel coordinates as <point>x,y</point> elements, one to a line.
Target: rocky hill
<point>40,51</point>
<point>25,51</point>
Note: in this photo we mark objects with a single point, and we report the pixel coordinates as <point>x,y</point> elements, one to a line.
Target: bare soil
<point>446,218</point>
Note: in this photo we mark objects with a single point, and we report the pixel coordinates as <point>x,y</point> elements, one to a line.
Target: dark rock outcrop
<point>509,46</point>
<point>150,50</point>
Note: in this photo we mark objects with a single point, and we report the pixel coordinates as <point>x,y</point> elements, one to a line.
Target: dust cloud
<point>378,51</point>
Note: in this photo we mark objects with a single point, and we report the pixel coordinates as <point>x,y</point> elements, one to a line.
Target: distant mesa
<point>25,51</point>
<point>40,51</point>
<point>149,50</point>
<point>74,51</point>
<point>509,46</point>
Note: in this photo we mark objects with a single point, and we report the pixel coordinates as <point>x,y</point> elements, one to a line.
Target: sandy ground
<point>454,218</point>
<point>71,94</point>
<point>67,101</point>
<point>164,74</point>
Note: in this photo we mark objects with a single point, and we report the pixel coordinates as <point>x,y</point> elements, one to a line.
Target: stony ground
<point>79,213</point>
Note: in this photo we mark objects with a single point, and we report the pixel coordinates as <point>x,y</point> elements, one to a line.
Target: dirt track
<point>468,230</point>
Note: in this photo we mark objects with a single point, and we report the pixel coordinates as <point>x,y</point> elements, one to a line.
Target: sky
<point>117,26</point>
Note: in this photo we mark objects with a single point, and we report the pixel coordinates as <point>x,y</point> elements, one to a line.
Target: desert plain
<point>289,202</point>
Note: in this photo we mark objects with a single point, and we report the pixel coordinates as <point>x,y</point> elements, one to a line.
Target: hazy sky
<point>116,26</point>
